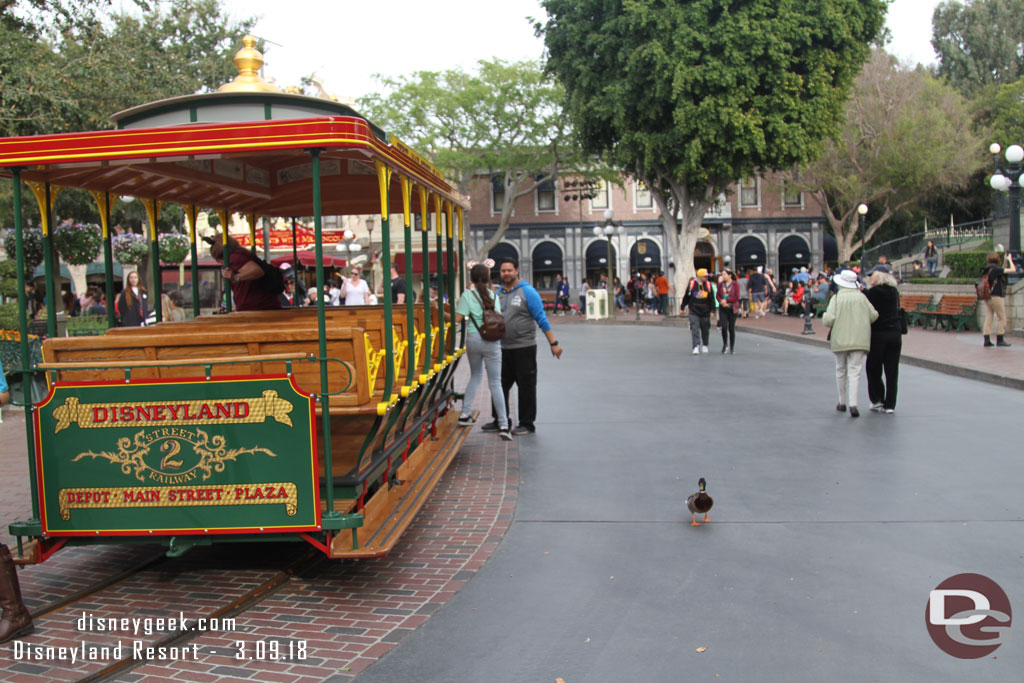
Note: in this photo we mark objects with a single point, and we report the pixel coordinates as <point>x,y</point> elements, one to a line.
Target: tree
<point>61,75</point>
<point>504,121</point>
<point>906,136</point>
<point>979,43</point>
<point>691,96</point>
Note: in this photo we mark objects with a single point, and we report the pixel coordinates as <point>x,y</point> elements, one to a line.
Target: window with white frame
<point>546,196</point>
<point>750,193</point>
<point>792,197</point>
<point>497,194</point>
<point>642,196</point>
<point>601,198</point>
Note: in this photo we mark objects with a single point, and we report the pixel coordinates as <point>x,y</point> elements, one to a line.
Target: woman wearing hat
<point>850,315</point>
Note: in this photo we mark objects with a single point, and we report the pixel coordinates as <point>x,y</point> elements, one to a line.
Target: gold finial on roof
<point>249,61</point>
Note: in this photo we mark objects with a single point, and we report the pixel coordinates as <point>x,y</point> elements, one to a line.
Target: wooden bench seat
<point>952,312</point>
<point>913,304</point>
<point>155,344</point>
<point>369,318</point>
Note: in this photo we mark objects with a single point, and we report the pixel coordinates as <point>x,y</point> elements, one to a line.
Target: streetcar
<point>328,426</point>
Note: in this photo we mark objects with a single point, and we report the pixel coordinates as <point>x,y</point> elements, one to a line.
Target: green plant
<point>32,241</point>
<point>174,247</point>
<point>78,243</point>
<point>9,316</point>
<point>941,281</point>
<point>129,248</point>
<point>968,264</point>
<point>8,278</point>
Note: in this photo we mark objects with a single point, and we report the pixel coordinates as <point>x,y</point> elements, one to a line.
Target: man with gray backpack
<point>524,312</point>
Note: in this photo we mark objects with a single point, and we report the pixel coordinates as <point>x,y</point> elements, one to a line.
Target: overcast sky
<point>352,40</point>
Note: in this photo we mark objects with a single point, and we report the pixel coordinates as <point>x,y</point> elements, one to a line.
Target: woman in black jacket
<point>886,342</point>
<point>131,304</point>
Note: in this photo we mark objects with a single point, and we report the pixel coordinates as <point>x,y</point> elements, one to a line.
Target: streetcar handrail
<point>107,365</point>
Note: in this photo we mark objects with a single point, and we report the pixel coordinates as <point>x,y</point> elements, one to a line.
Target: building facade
<point>758,222</point>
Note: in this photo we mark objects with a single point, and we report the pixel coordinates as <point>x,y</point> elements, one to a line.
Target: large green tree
<point>979,43</point>
<point>503,121</point>
<point>691,96</point>
<point>906,137</point>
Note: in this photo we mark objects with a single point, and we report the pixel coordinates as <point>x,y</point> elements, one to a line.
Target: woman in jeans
<point>728,300</point>
<point>482,354</point>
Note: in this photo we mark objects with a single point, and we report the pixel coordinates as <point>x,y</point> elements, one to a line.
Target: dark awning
<point>650,258</point>
<point>502,250</point>
<point>307,258</point>
<point>794,249</point>
<point>750,252</point>
<point>597,255</point>
<point>40,272</point>
<point>547,257</point>
<point>98,269</point>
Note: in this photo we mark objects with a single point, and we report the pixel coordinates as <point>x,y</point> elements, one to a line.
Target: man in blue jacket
<point>524,312</point>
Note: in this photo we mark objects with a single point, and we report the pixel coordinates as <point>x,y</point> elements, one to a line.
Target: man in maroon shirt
<point>244,274</point>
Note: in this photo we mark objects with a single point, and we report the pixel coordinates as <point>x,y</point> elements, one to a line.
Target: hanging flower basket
<point>79,243</point>
<point>174,247</point>
<point>32,241</point>
<point>130,248</point>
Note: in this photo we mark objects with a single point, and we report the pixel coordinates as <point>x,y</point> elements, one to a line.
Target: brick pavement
<point>344,614</point>
<point>954,353</point>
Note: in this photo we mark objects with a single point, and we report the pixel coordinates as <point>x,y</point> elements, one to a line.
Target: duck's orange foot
<point>694,522</point>
<point>706,518</point>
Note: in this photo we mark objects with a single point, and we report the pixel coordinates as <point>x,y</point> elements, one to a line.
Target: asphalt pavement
<point>827,533</point>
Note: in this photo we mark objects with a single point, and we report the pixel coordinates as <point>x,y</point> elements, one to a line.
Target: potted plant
<point>32,241</point>
<point>174,247</point>
<point>78,243</point>
<point>129,248</point>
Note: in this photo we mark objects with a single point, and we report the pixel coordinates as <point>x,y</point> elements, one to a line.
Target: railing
<point>902,251</point>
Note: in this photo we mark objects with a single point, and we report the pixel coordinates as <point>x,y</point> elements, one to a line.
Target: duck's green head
<point>702,484</point>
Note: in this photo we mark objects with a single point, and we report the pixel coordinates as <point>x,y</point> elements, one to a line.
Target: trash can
<point>597,304</point>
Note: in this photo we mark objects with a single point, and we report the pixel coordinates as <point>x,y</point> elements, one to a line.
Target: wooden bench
<point>368,318</point>
<point>952,312</point>
<point>914,304</point>
<point>352,411</point>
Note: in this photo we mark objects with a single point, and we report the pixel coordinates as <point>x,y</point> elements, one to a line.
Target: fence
<point>910,247</point>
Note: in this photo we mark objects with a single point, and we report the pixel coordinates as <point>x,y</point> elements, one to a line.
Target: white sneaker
<point>696,351</point>
<point>890,411</point>
<point>703,349</point>
<point>876,407</point>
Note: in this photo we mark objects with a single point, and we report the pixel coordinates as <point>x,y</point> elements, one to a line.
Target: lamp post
<point>1007,179</point>
<point>577,191</point>
<point>636,272</point>
<point>863,211</point>
<point>607,230</point>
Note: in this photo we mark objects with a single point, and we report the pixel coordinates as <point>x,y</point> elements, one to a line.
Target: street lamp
<point>863,211</point>
<point>1007,179</point>
<point>607,230</point>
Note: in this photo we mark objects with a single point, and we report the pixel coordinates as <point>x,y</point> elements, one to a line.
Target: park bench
<point>951,312</point>
<point>914,304</point>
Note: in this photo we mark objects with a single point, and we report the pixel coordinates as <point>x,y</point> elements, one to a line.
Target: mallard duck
<point>700,502</point>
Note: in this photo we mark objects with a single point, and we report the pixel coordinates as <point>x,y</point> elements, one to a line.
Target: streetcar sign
<point>177,457</point>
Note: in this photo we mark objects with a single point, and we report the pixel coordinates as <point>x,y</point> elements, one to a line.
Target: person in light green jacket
<point>850,315</point>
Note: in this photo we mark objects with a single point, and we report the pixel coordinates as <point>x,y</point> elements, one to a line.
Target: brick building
<point>759,222</point>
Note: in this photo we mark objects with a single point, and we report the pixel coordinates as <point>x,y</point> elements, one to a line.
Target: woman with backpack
<point>483,346</point>
<point>996,302</point>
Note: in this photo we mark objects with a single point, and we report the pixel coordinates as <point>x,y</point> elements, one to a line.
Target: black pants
<point>727,319</point>
<point>884,356</point>
<point>519,367</point>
